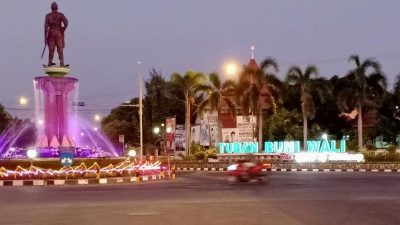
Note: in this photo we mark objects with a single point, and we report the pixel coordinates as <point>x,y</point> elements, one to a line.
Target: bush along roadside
<point>201,153</point>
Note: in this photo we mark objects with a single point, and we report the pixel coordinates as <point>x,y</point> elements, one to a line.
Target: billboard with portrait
<point>180,137</point>
<point>229,135</point>
<point>195,134</point>
<point>214,136</point>
<point>170,126</point>
<point>204,133</point>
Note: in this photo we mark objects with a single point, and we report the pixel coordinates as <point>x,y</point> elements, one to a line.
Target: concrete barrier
<point>111,180</point>
<point>349,167</point>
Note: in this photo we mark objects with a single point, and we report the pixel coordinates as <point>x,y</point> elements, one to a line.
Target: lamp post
<point>23,101</point>
<point>141,112</point>
<point>156,131</point>
<point>231,68</point>
<point>31,153</point>
<point>97,117</point>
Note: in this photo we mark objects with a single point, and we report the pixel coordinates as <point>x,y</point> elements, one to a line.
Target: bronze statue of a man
<point>54,28</point>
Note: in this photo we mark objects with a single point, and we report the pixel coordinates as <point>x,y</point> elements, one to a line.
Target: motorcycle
<point>245,171</point>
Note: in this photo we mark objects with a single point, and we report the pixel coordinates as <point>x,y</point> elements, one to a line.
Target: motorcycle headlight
<point>232,167</point>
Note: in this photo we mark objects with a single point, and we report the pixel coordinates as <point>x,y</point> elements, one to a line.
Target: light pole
<point>231,68</point>
<point>141,112</point>
<point>97,117</point>
<point>156,131</point>
<point>23,101</point>
<point>31,153</point>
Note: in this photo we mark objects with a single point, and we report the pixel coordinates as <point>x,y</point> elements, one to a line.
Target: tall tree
<point>362,88</point>
<point>188,84</point>
<point>123,120</point>
<point>308,84</point>
<point>217,94</point>
<point>328,117</point>
<point>5,119</point>
<point>259,87</point>
<point>159,103</point>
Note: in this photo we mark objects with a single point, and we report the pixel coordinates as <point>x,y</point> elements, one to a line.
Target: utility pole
<point>141,111</point>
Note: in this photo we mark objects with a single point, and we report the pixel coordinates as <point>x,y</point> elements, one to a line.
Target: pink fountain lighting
<point>55,93</point>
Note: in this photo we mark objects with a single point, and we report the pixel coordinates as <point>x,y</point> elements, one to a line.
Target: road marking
<point>38,182</point>
<point>103,181</point>
<point>144,214</point>
<point>59,182</point>
<point>83,181</point>
<point>18,183</point>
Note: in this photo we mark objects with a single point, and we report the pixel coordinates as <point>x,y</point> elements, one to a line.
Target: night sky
<point>105,39</point>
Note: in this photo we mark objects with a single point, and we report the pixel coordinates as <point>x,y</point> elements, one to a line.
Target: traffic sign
<point>67,158</point>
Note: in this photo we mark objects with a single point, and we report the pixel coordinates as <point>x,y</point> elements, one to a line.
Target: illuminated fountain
<point>59,128</point>
<point>55,89</point>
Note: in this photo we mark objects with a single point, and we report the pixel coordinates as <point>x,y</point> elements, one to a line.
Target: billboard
<point>180,137</point>
<point>245,125</point>
<point>204,133</point>
<point>195,134</point>
<point>229,135</point>
<point>214,136</point>
<point>170,126</point>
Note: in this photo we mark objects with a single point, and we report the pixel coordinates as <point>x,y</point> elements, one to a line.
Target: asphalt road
<point>208,198</point>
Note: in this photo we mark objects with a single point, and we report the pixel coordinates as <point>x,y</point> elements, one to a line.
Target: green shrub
<point>189,158</point>
<point>370,147</point>
<point>212,156</point>
<point>352,145</point>
<point>200,155</point>
<point>392,149</point>
<point>194,148</point>
<point>389,157</point>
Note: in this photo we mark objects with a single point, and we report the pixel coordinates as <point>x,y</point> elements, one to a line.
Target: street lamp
<point>168,130</point>
<point>132,153</point>
<point>156,130</point>
<point>23,101</point>
<point>97,117</point>
<point>231,68</point>
<point>31,153</point>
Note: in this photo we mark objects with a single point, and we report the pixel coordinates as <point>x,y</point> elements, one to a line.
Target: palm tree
<point>188,84</point>
<point>257,87</point>
<point>363,87</point>
<point>308,84</point>
<point>216,94</point>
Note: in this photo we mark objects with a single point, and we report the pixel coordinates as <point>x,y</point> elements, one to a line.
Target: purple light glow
<point>58,125</point>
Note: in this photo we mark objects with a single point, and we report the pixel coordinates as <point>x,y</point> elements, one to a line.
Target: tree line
<point>303,105</point>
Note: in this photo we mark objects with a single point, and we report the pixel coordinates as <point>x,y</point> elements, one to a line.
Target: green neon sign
<point>238,147</point>
<point>277,147</point>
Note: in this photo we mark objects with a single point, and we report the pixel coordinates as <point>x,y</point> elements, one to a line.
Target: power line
<point>340,59</point>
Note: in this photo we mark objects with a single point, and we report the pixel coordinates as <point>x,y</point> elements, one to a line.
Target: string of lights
<point>147,168</point>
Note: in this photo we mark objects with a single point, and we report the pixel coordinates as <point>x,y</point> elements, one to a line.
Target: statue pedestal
<point>56,71</point>
<point>55,89</point>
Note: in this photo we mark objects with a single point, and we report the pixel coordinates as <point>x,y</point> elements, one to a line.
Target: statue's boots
<point>51,64</point>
